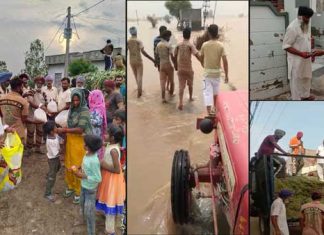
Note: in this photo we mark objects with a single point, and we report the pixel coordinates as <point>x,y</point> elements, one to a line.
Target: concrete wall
<point>268,63</point>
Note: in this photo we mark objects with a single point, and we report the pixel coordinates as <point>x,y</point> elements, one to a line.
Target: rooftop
<point>93,56</point>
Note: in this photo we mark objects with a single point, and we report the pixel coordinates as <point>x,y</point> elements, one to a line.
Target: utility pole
<point>67,36</point>
<point>206,5</point>
<point>214,12</point>
<point>136,17</point>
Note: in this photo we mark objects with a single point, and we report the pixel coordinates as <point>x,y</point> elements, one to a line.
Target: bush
<point>81,66</point>
<point>95,80</point>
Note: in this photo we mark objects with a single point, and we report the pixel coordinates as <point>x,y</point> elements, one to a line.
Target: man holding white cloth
<point>297,43</point>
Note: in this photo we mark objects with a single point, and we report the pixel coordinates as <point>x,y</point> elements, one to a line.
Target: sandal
<point>51,198</point>
<point>68,193</point>
<point>76,200</point>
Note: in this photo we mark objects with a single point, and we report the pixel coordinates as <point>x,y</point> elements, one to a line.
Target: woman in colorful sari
<point>98,118</point>
<point>78,125</point>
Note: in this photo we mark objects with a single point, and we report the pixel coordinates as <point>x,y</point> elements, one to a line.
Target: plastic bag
<point>40,115</point>
<point>61,118</point>
<point>52,106</point>
<point>1,128</point>
<point>10,162</point>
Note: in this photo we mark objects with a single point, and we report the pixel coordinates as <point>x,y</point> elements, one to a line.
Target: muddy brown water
<point>156,131</point>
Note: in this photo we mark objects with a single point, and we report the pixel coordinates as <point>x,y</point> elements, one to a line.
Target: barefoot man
<point>212,52</point>
<point>135,47</point>
<point>164,51</point>
<point>183,53</point>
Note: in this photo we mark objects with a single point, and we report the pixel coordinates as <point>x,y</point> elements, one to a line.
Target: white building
<point>55,63</point>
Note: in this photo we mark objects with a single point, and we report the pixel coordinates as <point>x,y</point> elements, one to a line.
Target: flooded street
<point>156,130</point>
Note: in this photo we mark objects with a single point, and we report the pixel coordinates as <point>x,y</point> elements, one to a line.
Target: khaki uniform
<point>184,50</point>
<point>135,59</point>
<point>13,106</point>
<point>38,99</point>
<point>313,213</point>
<point>164,50</point>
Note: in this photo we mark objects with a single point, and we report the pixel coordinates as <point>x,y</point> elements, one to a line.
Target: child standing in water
<point>91,177</point>
<point>111,192</point>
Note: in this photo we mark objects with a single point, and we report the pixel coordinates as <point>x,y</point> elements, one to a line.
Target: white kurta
<point>299,69</point>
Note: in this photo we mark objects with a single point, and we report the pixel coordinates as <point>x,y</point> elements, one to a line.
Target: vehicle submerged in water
<point>227,168</point>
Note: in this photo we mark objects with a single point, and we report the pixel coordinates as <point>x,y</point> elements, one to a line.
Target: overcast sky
<point>22,21</point>
<point>157,8</point>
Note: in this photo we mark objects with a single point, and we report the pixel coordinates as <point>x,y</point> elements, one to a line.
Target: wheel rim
<point>180,188</point>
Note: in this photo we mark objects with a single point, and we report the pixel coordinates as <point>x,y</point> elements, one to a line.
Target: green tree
<point>35,60</point>
<point>80,66</point>
<point>3,66</point>
<point>175,6</point>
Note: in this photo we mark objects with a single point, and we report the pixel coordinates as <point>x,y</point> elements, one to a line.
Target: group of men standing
<point>312,219</point>
<point>18,103</point>
<point>167,59</point>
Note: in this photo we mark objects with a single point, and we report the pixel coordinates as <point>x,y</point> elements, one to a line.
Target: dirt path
<point>24,210</point>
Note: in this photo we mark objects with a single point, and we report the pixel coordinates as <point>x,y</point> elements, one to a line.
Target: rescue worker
<point>135,48</point>
<point>297,43</point>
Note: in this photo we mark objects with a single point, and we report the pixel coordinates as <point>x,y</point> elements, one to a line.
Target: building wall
<point>268,63</point>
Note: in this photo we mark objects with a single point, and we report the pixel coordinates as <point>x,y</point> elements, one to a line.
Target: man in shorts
<point>164,51</point>
<point>212,52</point>
<point>183,53</point>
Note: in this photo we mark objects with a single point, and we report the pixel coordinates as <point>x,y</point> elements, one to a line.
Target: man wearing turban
<point>36,100</point>
<point>297,43</point>
<point>4,82</point>
<point>135,48</point>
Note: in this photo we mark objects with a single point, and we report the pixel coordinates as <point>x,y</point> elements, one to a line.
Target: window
<point>57,81</point>
<point>300,3</point>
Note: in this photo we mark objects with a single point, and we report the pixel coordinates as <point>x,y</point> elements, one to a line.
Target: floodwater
<point>156,131</point>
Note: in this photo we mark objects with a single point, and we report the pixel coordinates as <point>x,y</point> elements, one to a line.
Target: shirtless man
<point>183,53</point>
<point>164,51</point>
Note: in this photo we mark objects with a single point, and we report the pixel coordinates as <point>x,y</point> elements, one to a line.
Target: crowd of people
<point>167,59</point>
<point>91,144</point>
<point>311,213</point>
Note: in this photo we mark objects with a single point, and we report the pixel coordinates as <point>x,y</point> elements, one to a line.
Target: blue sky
<point>291,117</point>
<point>157,8</point>
<point>22,21</point>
